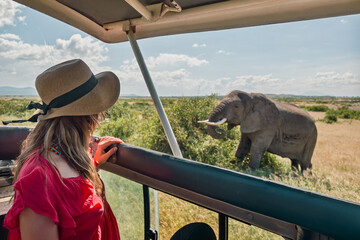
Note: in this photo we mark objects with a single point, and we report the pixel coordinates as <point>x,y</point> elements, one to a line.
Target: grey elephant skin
<point>266,125</point>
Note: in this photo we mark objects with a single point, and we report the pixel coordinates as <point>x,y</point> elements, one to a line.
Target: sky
<point>314,58</point>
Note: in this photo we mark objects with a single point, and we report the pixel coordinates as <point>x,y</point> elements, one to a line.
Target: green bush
<point>346,113</point>
<point>122,128</point>
<point>15,107</point>
<point>119,110</point>
<point>316,108</point>
<point>343,112</point>
<point>330,118</point>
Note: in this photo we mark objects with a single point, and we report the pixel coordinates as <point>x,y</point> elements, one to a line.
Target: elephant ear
<point>262,114</point>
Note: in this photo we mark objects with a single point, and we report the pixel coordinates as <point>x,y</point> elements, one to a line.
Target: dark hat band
<point>60,101</point>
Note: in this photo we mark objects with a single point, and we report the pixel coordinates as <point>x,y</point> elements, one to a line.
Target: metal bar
<point>159,107</point>
<point>241,196</point>
<point>11,138</point>
<point>156,206</point>
<point>223,227</point>
<point>140,8</point>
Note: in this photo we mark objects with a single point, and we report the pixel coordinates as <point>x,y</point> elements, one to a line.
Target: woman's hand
<point>100,155</point>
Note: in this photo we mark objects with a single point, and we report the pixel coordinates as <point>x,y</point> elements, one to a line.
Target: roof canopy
<point>108,20</point>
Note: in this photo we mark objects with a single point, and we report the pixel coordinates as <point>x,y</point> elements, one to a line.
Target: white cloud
<point>178,83</point>
<point>182,82</point>
<point>258,79</point>
<point>196,45</point>
<point>167,59</point>
<point>22,19</point>
<point>322,83</point>
<point>326,83</point>
<point>175,80</point>
<point>87,48</point>
<point>8,11</point>
<point>21,62</point>
<point>249,83</point>
<point>171,78</point>
<point>9,36</point>
<point>224,52</point>
<point>12,47</point>
<point>129,65</point>
<point>335,79</point>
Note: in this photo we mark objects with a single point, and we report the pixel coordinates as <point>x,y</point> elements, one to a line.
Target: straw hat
<point>71,89</point>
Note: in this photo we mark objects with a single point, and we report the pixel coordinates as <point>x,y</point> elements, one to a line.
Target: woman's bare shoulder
<point>65,170</point>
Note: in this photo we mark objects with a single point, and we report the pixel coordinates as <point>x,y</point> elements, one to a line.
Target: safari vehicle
<point>290,212</point>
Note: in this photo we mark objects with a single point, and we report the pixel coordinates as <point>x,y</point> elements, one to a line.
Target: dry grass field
<point>337,156</point>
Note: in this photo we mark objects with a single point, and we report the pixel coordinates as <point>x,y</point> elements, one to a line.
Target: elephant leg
<point>295,164</point>
<point>305,163</point>
<point>256,153</point>
<point>243,148</point>
<point>259,144</point>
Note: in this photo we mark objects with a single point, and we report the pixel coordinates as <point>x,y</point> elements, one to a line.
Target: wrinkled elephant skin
<point>266,125</point>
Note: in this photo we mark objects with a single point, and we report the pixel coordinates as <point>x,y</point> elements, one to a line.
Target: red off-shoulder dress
<point>69,202</point>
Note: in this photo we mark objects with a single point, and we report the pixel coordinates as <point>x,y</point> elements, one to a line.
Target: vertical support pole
<point>146,200</point>
<point>164,121</point>
<point>156,209</point>
<point>149,234</point>
<point>159,107</point>
<point>223,227</point>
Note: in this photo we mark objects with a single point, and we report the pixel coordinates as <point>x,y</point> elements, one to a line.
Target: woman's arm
<point>34,226</point>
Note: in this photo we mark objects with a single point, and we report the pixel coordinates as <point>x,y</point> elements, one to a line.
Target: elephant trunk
<point>218,114</point>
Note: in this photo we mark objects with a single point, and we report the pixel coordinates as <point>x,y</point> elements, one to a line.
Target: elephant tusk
<point>203,121</point>
<point>213,123</point>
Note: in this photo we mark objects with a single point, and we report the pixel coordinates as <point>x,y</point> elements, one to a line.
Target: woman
<point>58,193</point>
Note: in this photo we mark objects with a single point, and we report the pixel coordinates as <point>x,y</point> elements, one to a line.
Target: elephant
<point>266,125</point>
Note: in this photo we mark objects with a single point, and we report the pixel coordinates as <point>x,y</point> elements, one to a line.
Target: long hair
<point>72,135</point>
